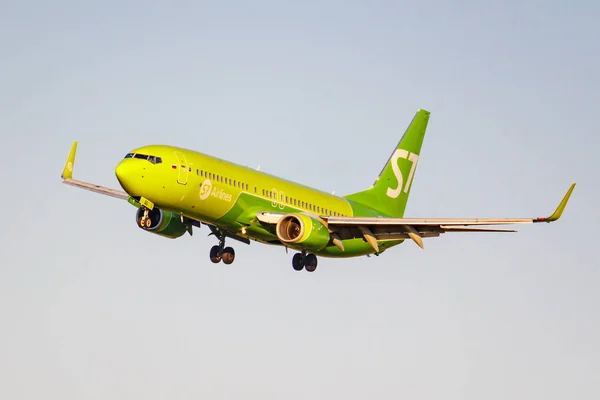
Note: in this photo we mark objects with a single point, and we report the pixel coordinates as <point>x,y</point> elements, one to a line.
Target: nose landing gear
<point>145,221</point>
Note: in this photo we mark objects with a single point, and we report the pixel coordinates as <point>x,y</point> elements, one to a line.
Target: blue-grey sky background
<point>92,307</point>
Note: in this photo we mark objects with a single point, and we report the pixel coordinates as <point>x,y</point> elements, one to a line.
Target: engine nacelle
<point>162,223</point>
<point>301,231</point>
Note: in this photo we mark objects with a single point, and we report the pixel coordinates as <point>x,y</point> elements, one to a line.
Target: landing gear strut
<point>304,260</point>
<point>220,252</point>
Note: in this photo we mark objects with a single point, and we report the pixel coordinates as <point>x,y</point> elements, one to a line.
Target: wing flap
<point>473,229</point>
<point>370,221</point>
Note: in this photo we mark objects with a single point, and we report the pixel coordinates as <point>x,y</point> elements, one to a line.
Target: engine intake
<point>163,223</point>
<point>303,232</point>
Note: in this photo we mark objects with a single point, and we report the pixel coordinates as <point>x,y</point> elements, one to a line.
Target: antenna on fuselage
<point>258,168</point>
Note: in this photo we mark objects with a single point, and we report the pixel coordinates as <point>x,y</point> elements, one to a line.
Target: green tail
<point>389,193</point>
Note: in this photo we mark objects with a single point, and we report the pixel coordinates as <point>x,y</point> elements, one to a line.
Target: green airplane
<point>176,189</point>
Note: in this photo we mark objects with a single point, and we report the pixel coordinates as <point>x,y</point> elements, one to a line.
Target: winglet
<point>68,170</point>
<point>559,210</point>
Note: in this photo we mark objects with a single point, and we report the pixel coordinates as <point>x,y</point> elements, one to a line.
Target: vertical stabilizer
<point>389,193</point>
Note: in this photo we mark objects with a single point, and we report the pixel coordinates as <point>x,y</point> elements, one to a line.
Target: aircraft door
<point>182,168</point>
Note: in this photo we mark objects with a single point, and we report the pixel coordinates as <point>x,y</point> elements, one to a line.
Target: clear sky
<point>92,307</point>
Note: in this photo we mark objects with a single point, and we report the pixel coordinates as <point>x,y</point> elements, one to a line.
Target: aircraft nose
<point>123,173</point>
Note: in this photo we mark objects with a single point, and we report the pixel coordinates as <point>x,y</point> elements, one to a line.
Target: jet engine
<point>161,222</point>
<point>302,231</point>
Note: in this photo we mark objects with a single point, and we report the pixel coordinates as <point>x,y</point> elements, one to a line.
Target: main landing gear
<point>304,260</point>
<point>220,252</point>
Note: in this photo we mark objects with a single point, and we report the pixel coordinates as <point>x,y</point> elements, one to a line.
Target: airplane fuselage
<point>228,195</point>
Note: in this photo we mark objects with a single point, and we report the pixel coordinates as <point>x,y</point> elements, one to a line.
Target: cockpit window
<point>152,159</point>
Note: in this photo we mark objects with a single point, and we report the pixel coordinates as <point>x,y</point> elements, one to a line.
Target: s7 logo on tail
<point>413,158</point>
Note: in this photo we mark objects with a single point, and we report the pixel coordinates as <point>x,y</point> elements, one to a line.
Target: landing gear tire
<point>216,254</point>
<point>310,262</point>
<point>228,255</point>
<point>145,221</point>
<point>298,262</point>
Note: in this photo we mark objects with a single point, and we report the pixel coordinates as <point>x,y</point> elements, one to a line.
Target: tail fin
<point>390,191</point>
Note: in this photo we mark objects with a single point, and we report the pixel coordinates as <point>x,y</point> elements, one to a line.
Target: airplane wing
<point>375,229</point>
<point>67,176</point>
